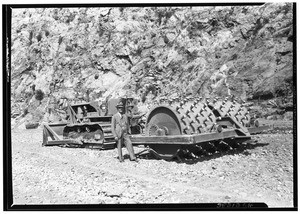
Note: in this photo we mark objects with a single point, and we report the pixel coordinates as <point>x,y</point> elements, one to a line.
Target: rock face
<point>148,52</point>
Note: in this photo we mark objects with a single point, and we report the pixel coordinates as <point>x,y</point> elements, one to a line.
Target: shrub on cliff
<point>39,95</point>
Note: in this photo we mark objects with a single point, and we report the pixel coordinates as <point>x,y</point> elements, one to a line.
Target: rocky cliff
<point>150,52</point>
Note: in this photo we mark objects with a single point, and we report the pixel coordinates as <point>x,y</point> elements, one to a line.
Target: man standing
<point>120,130</point>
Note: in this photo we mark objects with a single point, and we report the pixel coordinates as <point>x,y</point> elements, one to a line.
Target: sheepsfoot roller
<point>197,127</point>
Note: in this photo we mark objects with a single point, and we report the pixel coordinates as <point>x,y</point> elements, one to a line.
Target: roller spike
<point>209,116</point>
<point>199,129</point>
<point>193,128</point>
<point>185,131</point>
<point>184,151</point>
<point>187,127</point>
<point>211,145</point>
<point>224,143</point>
<point>201,110</point>
<point>187,113</point>
<point>243,123</point>
<point>182,120</point>
<point>199,147</point>
<point>193,155</point>
<point>191,107</point>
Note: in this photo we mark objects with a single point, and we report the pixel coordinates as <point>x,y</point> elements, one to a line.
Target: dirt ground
<point>55,175</point>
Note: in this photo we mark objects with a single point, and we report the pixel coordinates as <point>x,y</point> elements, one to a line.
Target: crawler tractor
<point>190,127</point>
<point>89,124</point>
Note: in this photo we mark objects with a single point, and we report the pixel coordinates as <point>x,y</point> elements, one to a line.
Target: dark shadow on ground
<point>187,159</point>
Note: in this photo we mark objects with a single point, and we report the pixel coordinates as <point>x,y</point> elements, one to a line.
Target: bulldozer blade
<point>53,131</point>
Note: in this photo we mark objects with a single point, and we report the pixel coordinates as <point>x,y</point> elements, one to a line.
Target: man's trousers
<point>126,140</point>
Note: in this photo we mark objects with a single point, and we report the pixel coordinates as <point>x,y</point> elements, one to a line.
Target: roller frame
<point>196,138</point>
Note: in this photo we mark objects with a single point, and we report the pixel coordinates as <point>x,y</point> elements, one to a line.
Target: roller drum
<point>178,118</point>
<point>231,108</point>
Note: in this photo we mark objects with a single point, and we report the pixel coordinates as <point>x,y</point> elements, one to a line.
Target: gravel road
<point>57,175</point>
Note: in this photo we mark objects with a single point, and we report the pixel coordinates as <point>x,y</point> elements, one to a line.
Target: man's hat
<point>120,105</point>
